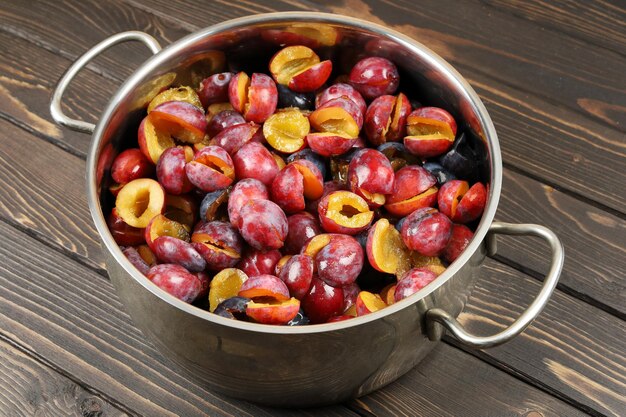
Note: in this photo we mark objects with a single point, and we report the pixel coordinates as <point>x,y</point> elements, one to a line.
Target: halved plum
<point>232,138</point>
<point>300,179</point>
<point>257,262</point>
<point>153,142</point>
<point>263,225</point>
<point>219,244</point>
<point>245,190</point>
<point>179,119</point>
<point>385,119</point>
<point>413,281</point>
<point>322,301</point>
<point>176,280</point>
<point>334,120</point>
<point>426,231</point>
<point>255,97</point>
<point>285,130</point>
<point>371,176</point>
<point>413,188</point>
<point>299,68</point>
<point>385,249</point>
<point>214,205</point>
<point>224,285</point>
<point>430,132</point>
<point>129,165</point>
<point>211,169</point>
<point>297,274</point>
<point>214,89</point>
<point>281,312</point>
<point>374,77</point>
<point>171,170</point>
<point>162,226</point>
<point>460,238</point>
<point>266,287</point>
<point>460,202</point>
<point>124,234</point>
<point>329,143</point>
<point>176,251</point>
<point>344,212</point>
<point>139,201</point>
<point>340,262</point>
<point>341,90</point>
<point>183,93</point>
<point>182,209</point>
<point>367,302</point>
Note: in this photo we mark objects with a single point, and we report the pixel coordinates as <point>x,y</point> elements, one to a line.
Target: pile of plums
<point>282,198</point>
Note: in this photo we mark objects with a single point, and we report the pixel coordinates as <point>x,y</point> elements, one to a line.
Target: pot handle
<point>437,315</point>
<point>55,103</point>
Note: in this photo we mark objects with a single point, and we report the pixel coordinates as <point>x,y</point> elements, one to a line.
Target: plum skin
<point>263,224</point>
<point>340,262</point>
<point>426,231</point>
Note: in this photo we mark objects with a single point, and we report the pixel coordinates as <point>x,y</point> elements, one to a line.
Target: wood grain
<point>94,21</point>
<point>25,91</point>
<point>73,317</point>
<point>32,389</point>
<point>573,220</point>
<point>51,207</point>
<point>599,22</point>
<point>482,387</point>
<point>582,155</point>
<point>572,347</point>
<point>188,14</point>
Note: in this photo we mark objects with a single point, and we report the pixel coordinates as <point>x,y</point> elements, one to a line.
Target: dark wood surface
<point>552,75</point>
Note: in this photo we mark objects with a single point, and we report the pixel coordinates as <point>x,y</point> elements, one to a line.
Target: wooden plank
<point>583,156</point>
<point>90,23</point>
<point>556,146</point>
<point>25,91</point>
<point>186,13</point>
<point>32,389</point>
<point>484,392</point>
<point>598,22</point>
<point>52,208</point>
<point>594,240</point>
<point>73,317</point>
<point>573,348</point>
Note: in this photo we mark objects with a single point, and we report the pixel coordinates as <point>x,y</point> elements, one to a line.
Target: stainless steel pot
<point>318,364</point>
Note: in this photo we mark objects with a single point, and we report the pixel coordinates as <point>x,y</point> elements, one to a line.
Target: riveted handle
<point>55,103</point>
<point>438,315</point>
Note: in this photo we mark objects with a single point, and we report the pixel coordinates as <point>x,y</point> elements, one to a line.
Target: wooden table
<point>552,75</point>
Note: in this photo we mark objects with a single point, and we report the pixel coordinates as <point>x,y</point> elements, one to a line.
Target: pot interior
<point>247,44</point>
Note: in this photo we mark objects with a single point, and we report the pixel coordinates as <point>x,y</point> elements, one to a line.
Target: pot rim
<point>416,47</point>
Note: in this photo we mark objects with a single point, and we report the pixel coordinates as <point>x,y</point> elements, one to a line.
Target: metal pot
<point>316,364</point>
